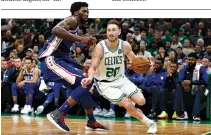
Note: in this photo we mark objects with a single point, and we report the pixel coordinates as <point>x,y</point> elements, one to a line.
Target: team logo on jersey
<point>119,51</point>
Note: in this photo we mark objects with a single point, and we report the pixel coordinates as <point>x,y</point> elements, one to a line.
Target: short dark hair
<point>113,21</point>
<point>207,57</point>
<point>77,6</point>
<point>28,58</point>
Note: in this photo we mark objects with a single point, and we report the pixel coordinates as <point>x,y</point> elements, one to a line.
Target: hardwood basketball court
<point>29,125</point>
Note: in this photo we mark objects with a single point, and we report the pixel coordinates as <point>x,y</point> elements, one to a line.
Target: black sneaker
<point>8,108</point>
<point>152,114</point>
<point>196,118</point>
<point>57,118</point>
<point>94,125</point>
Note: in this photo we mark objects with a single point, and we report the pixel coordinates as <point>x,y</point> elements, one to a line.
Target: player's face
<point>112,32</point>
<point>83,14</point>
<point>28,63</point>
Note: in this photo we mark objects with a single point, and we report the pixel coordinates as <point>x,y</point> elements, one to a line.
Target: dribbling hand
<point>85,82</point>
<point>87,40</point>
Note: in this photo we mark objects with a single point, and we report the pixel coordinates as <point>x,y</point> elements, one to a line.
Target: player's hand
<point>85,82</point>
<point>20,84</point>
<point>87,40</point>
<point>186,85</point>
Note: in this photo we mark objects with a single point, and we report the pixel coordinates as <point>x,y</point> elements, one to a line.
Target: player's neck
<point>112,45</point>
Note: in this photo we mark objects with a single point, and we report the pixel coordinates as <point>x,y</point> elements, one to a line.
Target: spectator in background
<point>152,83</point>
<point>20,51</point>
<point>181,36</point>
<point>199,51</point>
<point>137,33</point>
<point>150,37</point>
<point>173,56</point>
<point>205,62</point>
<point>200,42</point>
<point>125,31</point>
<point>168,47</point>
<point>7,42</point>
<point>208,52</point>
<point>143,51</point>
<point>192,80</point>
<point>79,56</point>
<point>153,49</point>
<point>158,39</point>
<point>166,36</point>
<point>13,73</point>
<point>202,31</point>
<point>188,30</point>
<point>180,54</point>
<point>142,26</point>
<point>162,52</point>
<point>167,63</point>
<point>15,29</point>
<point>129,38</point>
<point>15,51</point>
<point>169,86</point>
<point>29,53</point>
<point>175,42</point>
<point>160,26</point>
<point>193,38</point>
<point>187,49</point>
<point>207,39</point>
<point>28,27</point>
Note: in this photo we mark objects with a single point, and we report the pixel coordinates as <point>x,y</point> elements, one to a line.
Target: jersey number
<point>112,72</point>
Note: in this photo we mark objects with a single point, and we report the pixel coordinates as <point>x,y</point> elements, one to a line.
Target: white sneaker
<point>110,114</point>
<point>39,110</point>
<point>30,109</point>
<point>183,116</point>
<point>42,86</point>
<point>97,111</point>
<point>127,115</point>
<point>15,108</point>
<point>24,110</point>
<point>152,128</point>
<point>103,112</point>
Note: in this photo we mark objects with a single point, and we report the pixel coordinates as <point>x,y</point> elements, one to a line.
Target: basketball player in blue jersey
<point>58,66</point>
<point>26,82</point>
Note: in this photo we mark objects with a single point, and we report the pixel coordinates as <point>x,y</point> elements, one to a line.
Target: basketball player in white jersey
<point>107,69</point>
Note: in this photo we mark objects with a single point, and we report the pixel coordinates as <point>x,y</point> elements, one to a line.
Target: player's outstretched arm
<point>61,31</point>
<point>96,57</point>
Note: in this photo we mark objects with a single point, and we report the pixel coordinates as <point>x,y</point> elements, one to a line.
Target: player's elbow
<point>55,30</point>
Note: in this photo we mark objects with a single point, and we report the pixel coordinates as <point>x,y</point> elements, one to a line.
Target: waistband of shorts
<point>108,80</point>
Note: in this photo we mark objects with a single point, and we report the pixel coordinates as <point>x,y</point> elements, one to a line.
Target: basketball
<point>141,64</point>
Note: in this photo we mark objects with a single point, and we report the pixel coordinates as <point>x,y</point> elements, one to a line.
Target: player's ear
<point>76,13</point>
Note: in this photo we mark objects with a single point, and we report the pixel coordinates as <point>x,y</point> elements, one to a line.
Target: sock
<point>65,107</point>
<point>15,102</point>
<point>45,104</point>
<point>91,117</point>
<point>145,120</point>
<point>57,104</point>
<point>30,99</point>
<point>112,106</point>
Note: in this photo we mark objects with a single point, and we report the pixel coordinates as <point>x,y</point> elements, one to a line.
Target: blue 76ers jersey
<point>58,47</point>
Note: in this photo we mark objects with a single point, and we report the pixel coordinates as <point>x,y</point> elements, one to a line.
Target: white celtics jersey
<point>112,63</point>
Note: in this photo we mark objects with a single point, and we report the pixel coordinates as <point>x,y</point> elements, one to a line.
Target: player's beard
<point>112,40</point>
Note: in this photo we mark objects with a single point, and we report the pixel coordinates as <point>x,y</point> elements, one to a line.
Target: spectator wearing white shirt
<point>143,50</point>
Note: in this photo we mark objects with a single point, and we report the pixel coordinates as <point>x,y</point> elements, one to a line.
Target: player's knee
<point>141,101</point>
<point>126,103</point>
